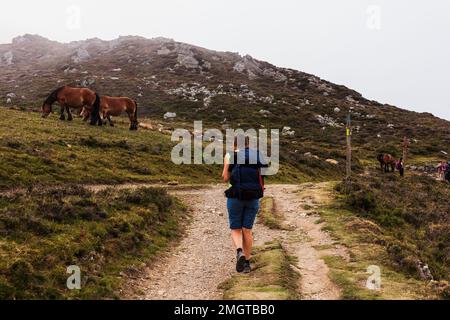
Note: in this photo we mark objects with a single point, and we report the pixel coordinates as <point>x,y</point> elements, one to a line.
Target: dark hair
<point>240,137</point>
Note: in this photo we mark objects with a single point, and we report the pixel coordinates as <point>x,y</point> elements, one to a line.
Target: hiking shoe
<point>247,267</point>
<point>240,262</point>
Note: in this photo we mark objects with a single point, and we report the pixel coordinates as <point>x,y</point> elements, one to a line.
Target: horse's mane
<point>53,96</point>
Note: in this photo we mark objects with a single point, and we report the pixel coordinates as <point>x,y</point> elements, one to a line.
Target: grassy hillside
<point>404,221</point>
<point>41,152</point>
<point>44,232</point>
<point>36,151</point>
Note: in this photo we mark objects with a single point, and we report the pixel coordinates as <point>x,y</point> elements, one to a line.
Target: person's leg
<point>248,242</point>
<point>251,210</point>
<point>236,236</point>
<point>235,211</point>
<point>235,214</point>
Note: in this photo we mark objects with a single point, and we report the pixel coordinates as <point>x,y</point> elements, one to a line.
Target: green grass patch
<point>42,233</point>
<point>272,278</point>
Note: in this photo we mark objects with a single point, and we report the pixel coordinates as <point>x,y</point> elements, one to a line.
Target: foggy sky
<point>392,51</point>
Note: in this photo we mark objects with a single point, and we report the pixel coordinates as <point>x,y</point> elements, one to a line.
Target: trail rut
<point>298,204</point>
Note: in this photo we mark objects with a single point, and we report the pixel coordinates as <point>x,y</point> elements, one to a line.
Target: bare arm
<point>226,173</point>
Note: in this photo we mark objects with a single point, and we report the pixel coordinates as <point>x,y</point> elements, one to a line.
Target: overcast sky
<point>393,51</point>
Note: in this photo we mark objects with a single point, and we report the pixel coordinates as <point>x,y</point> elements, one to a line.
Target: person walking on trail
<point>447,173</point>
<point>242,170</point>
<point>401,167</point>
<point>441,170</point>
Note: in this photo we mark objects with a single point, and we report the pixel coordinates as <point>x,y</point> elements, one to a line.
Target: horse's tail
<point>95,116</point>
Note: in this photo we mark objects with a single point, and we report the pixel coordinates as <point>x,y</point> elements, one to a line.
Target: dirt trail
<point>205,257</point>
<point>306,238</point>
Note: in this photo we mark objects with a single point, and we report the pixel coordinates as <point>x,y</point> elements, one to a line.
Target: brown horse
<point>74,98</point>
<point>386,161</point>
<point>114,107</point>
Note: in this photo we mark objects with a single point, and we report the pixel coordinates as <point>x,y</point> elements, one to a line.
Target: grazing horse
<point>74,98</point>
<point>115,106</point>
<point>386,161</point>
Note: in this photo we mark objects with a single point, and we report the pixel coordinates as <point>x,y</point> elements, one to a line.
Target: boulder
<point>80,55</point>
<point>146,126</point>
<point>87,82</point>
<point>287,131</point>
<point>329,121</point>
<point>170,115</point>
<point>187,61</point>
<point>250,66</point>
<point>424,271</point>
<point>332,161</point>
<point>8,58</point>
<point>206,65</point>
<point>276,75</point>
<point>310,155</point>
<point>351,99</point>
<point>163,51</point>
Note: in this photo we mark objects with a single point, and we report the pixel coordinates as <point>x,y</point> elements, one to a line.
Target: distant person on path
<point>447,173</point>
<point>442,169</point>
<point>242,170</point>
<point>401,167</point>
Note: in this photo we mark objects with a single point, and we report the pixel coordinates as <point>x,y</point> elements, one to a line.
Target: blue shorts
<point>242,214</point>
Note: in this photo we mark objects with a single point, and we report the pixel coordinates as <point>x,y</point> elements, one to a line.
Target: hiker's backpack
<point>246,180</point>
